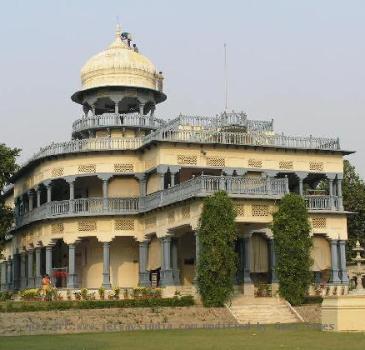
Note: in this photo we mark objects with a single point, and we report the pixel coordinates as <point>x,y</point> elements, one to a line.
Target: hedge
<point>26,306</point>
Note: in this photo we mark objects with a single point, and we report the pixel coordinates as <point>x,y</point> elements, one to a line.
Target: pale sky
<point>299,62</point>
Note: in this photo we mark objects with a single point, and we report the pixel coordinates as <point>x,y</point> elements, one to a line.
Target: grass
<point>293,337</point>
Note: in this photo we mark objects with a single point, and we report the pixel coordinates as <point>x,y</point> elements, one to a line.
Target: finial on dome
<point>118,31</point>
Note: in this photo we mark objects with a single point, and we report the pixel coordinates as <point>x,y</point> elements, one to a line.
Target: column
<point>144,279</point>
<point>71,283</point>
<point>174,262</point>
<point>49,260</point>
<point>153,108</point>
<point>3,276</point>
<point>162,170</point>
<point>142,178</point>
<point>30,200</point>
<point>339,193</point>
<point>106,265</point>
<point>247,252</point>
<point>38,276</point>
<point>172,178</point>
<point>343,268</point>
<point>71,184</point>
<point>116,107</point>
<point>272,260</point>
<point>9,274</point>
<point>16,271</point>
<point>166,278</point>
<point>23,278</point>
<point>38,196</point>
<point>30,269</point>
<point>105,180</point>
<point>141,108</point>
<point>334,269</point>
<point>197,248</point>
<point>331,193</point>
<point>48,185</point>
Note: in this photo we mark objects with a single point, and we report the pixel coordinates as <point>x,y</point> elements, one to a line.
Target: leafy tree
<point>354,201</point>
<point>292,247</point>
<point>217,261</point>
<point>8,167</point>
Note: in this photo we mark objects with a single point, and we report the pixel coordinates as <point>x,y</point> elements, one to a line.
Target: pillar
<point>3,276</point>
<point>9,280</point>
<point>141,108</point>
<point>71,184</point>
<point>166,271</point>
<point>174,262</point>
<point>49,260</point>
<point>197,248</point>
<point>272,260</point>
<point>334,268</point>
<point>248,287</point>
<point>38,275</point>
<point>172,178</point>
<point>106,265</point>
<point>38,196</point>
<point>30,269</point>
<point>153,108</point>
<point>105,180</point>
<point>16,271</point>
<point>23,277</point>
<point>142,178</point>
<point>339,194</point>
<point>30,200</point>
<point>144,279</point>
<point>49,192</point>
<point>71,283</point>
<point>332,204</point>
<point>116,107</point>
<point>343,268</point>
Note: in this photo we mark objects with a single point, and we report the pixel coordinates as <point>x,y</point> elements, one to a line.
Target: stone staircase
<point>262,310</point>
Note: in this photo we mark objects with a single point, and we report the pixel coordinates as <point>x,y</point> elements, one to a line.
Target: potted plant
<point>116,293</point>
<point>77,295</point>
<point>101,292</point>
<point>84,294</point>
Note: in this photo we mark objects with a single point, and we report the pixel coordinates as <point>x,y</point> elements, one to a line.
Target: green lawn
<point>264,338</point>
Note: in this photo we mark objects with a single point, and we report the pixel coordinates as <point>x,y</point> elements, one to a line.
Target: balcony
<point>202,186</point>
<point>197,187</point>
<point>323,202</point>
<point>113,120</point>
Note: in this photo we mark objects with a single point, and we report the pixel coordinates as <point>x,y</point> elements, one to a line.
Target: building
<point>119,204</point>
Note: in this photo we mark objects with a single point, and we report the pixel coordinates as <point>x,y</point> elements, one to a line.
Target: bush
<point>312,300</point>
<point>217,259</point>
<point>18,306</point>
<point>5,296</point>
<point>30,294</point>
<point>292,247</point>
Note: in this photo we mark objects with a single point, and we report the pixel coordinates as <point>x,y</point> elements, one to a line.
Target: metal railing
<point>115,120</point>
<point>323,202</point>
<point>201,186</point>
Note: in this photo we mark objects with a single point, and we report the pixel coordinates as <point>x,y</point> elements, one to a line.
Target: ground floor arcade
<point>170,260</point>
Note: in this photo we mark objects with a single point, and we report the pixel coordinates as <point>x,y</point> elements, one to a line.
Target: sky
<point>299,62</point>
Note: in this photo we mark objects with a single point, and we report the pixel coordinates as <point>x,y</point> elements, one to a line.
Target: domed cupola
<point>120,80</point>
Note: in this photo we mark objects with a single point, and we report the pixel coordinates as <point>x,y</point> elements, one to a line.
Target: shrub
<point>5,296</point>
<point>116,291</point>
<point>30,294</point>
<point>217,261</point>
<point>101,292</point>
<point>18,306</point>
<point>292,247</point>
<point>84,294</point>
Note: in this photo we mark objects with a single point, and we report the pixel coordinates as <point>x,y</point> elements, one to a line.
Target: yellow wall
<point>123,187</point>
<point>153,183</point>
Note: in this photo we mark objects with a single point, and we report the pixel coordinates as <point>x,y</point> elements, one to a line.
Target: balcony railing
<point>116,120</point>
<point>165,133</point>
<point>201,186</point>
<point>323,202</point>
<point>205,185</point>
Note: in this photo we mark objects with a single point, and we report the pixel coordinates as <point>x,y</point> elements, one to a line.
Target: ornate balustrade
<point>201,186</point>
<point>116,120</point>
<point>204,136</point>
<point>323,202</point>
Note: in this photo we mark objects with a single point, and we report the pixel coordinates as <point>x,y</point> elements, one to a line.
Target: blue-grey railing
<point>236,187</point>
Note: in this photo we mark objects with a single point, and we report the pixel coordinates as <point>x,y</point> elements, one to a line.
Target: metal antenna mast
<point>225,77</point>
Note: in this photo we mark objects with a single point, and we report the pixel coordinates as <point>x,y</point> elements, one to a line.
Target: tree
<point>291,230</point>
<point>354,201</point>
<point>217,259</point>
<point>8,167</point>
